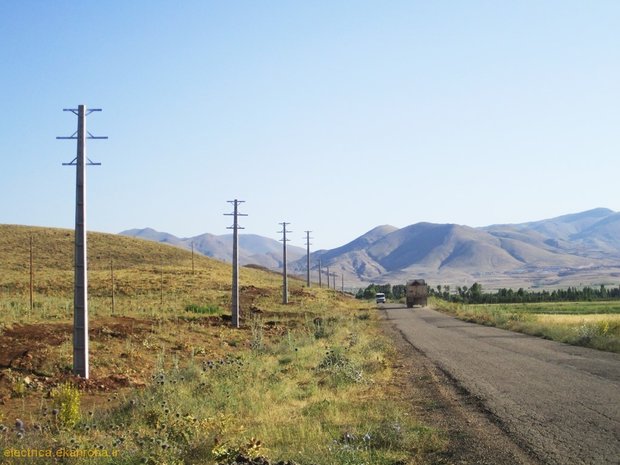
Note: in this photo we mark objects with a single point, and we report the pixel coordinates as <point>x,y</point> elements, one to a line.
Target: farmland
<point>172,382</point>
<point>590,324</point>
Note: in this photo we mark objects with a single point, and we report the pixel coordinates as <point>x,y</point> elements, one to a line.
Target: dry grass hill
<point>172,382</point>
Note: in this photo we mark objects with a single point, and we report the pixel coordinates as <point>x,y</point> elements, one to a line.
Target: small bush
<point>66,401</point>
<point>256,326</point>
<point>203,309</point>
<point>340,368</point>
<point>322,328</point>
<point>230,454</point>
<point>19,388</point>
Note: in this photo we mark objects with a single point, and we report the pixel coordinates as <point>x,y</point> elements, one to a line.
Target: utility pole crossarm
<point>76,110</point>
<point>72,136</point>
<point>90,136</point>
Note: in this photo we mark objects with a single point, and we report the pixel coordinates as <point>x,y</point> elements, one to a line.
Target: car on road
<point>380,298</point>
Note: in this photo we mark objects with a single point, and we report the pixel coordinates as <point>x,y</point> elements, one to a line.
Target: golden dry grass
<point>578,319</point>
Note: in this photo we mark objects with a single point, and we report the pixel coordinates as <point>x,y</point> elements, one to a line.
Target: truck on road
<point>417,293</point>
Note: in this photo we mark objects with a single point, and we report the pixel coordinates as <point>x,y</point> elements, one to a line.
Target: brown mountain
<point>568,250</point>
<point>253,249</point>
<point>576,249</point>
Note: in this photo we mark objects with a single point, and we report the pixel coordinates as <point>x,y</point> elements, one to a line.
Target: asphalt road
<point>560,403</point>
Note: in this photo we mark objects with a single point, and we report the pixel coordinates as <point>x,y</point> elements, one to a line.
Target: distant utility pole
<point>31,278</point>
<point>334,276</point>
<point>327,276</point>
<point>284,276</point>
<point>308,257</point>
<point>161,284</point>
<point>80,296</point>
<point>113,286</point>
<point>193,270</point>
<point>342,283</point>
<point>234,306</point>
<point>320,284</point>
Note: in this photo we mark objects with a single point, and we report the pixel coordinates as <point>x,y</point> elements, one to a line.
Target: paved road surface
<point>562,403</point>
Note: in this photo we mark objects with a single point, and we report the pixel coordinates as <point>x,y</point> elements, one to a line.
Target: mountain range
<point>253,249</point>
<point>576,249</point>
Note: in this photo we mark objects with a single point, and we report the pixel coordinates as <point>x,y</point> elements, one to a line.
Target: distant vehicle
<point>417,293</point>
<point>380,298</point>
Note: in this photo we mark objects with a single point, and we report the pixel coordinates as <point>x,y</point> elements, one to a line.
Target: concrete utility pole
<point>80,295</point>
<point>284,276</point>
<point>113,285</point>
<point>327,276</point>
<point>234,305</point>
<point>31,278</point>
<point>161,284</point>
<point>308,257</point>
<point>320,273</point>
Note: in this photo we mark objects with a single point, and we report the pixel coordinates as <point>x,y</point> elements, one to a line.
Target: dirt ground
<point>35,358</point>
<point>473,436</point>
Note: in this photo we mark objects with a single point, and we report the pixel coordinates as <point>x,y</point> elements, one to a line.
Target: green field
<point>559,308</point>
<point>589,324</point>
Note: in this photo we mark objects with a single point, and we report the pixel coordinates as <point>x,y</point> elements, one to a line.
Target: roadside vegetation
<point>588,324</point>
<point>172,382</point>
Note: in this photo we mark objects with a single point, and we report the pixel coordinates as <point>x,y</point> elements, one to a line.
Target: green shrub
<point>256,327</point>
<point>66,402</point>
<point>203,309</point>
<point>340,369</point>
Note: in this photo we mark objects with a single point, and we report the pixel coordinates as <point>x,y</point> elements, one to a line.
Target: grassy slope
<point>310,381</point>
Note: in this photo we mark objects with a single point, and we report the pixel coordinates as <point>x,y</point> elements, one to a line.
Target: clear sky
<point>336,116</point>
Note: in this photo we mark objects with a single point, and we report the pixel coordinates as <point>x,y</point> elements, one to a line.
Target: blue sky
<point>336,116</point>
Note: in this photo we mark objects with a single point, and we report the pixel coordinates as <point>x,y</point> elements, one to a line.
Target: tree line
<point>391,292</point>
<point>475,294</point>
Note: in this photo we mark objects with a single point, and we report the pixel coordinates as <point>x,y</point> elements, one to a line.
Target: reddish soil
<point>35,358</point>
